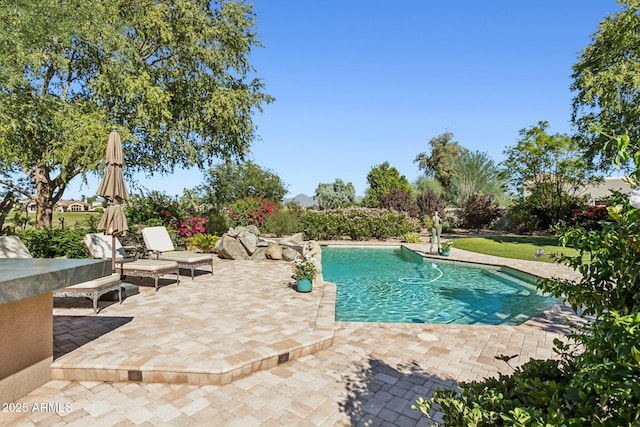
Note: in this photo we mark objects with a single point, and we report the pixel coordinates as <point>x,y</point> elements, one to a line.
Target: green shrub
<point>322,225</point>
<point>599,386</point>
<point>91,222</point>
<point>54,243</point>
<point>427,222</point>
<point>520,219</point>
<point>412,238</point>
<point>356,223</point>
<point>202,242</point>
<point>153,209</point>
<point>499,401</point>
<point>216,223</point>
<point>282,223</point>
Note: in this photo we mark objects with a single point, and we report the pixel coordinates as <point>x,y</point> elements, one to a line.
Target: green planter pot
<point>446,252</point>
<point>304,285</point>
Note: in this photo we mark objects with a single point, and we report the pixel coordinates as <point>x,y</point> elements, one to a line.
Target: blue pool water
<point>397,285</point>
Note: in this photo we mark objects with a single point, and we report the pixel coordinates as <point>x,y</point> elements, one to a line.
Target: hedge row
<point>356,223</point>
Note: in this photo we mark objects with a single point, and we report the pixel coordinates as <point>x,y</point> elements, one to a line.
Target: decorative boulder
<point>259,254</point>
<point>294,240</point>
<point>289,254</point>
<point>244,243</point>
<point>274,251</point>
<point>253,230</point>
<point>231,248</point>
<point>248,240</point>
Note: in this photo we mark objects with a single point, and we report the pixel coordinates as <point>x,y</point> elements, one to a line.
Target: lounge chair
<point>158,241</point>
<point>100,247</point>
<point>12,247</point>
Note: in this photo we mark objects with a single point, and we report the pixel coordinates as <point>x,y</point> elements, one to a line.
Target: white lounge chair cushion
<point>99,246</point>
<point>12,247</point>
<point>185,257</point>
<point>157,239</point>
<point>97,283</point>
<point>148,265</point>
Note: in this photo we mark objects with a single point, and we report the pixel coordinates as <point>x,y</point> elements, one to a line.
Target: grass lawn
<point>71,219</point>
<point>516,247</point>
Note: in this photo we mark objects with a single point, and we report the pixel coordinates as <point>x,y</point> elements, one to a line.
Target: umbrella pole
<point>113,253</point>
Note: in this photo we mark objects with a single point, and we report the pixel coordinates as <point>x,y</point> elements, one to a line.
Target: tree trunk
<point>44,199</point>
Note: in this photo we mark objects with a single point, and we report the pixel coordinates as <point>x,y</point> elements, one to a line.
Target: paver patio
<point>212,352</point>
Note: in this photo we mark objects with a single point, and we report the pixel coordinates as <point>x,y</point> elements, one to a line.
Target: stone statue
<point>436,229</point>
<point>313,251</point>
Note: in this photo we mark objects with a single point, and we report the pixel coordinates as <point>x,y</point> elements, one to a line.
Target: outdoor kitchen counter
<point>22,278</point>
<point>26,317</point>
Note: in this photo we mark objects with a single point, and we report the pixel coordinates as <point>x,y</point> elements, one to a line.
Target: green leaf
<point>635,353</point>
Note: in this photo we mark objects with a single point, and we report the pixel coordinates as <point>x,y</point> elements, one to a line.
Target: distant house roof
<point>600,190</point>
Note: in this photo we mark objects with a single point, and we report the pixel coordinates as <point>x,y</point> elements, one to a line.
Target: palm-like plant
<point>477,174</point>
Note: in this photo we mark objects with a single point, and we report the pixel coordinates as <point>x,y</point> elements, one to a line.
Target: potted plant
<point>304,271</point>
<point>446,247</point>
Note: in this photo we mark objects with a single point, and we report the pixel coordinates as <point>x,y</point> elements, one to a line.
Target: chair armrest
<point>125,260</point>
<point>152,251</point>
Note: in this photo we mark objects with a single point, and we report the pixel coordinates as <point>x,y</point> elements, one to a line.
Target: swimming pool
<point>396,285</point>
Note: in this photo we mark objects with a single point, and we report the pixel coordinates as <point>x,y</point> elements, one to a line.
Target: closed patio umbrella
<point>114,190</point>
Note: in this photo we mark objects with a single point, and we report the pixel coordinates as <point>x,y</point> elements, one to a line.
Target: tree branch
<point>67,86</point>
<point>150,54</point>
<point>17,189</point>
<point>48,75</point>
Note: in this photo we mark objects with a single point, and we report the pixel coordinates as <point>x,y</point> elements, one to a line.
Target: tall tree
<point>335,195</point>
<point>424,184</point>
<point>441,162</point>
<point>382,180</point>
<point>548,171</point>
<point>607,84</point>
<point>230,181</point>
<point>173,76</point>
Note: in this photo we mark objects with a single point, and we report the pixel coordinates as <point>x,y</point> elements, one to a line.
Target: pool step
<point>515,280</point>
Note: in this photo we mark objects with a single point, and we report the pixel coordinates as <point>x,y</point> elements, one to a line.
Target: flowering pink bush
<point>192,226</point>
<point>589,218</point>
<point>251,211</point>
<point>159,209</point>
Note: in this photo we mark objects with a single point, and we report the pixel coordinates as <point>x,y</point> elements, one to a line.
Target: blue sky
<point>361,82</point>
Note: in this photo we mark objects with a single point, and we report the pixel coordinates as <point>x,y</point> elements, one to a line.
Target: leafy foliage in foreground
<point>596,380</point>
<point>599,386</point>
<point>611,281</point>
